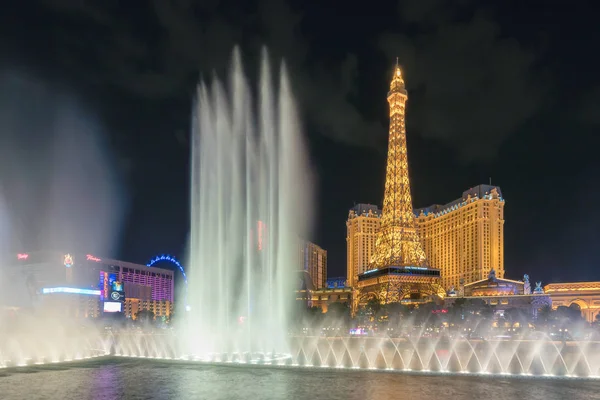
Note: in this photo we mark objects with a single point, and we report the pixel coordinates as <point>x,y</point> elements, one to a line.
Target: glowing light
<point>22,256</point>
<point>397,242</point>
<point>105,285</point>
<point>173,260</point>
<point>90,257</point>
<point>260,228</point>
<point>91,292</point>
<point>68,261</point>
<point>111,307</point>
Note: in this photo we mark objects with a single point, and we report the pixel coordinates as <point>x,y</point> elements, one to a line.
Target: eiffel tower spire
<point>397,243</point>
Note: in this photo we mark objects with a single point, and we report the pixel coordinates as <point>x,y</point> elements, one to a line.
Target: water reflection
<point>120,379</point>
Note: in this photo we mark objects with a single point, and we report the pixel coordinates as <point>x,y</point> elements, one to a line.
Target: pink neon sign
<point>22,256</point>
<point>260,232</point>
<point>90,257</point>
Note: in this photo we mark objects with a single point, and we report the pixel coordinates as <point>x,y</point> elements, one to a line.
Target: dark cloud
<point>471,83</point>
<point>588,111</point>
<point>157,53</point>
<point>473,86</point>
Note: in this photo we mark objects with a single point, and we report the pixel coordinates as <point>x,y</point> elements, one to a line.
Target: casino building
<point>464,239</point>
<point>87,286</point>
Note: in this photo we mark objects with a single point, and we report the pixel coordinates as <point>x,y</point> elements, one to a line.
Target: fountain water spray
<point>250,199</point>
<point>58,190</point>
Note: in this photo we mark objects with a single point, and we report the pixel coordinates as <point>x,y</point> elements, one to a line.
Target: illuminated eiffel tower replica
<point>398,270</point>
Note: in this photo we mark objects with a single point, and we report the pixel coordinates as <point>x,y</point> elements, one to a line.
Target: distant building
<point>503,294</point>
<point>362,226</point>
<point>82,303</point>
<point>314,262</point>
<point>337,282</point>
<point>583,296</point>
<point>398,270</point>
<point>464,239</point>
<point>322,298</point>
<point>83,285</point>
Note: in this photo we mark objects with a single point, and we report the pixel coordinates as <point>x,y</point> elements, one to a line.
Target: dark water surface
<point>149,379</point>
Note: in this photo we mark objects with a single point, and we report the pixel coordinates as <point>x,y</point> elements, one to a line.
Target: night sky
<point>507,90</point>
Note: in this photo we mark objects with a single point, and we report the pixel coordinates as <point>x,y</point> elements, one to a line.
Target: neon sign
<point>171,259</point>
<point>105,285</point>
<point>68,261</point>
<point>22,256</point>
<point>71,290</point>
<point>90,257</point>
<point>260,230</point>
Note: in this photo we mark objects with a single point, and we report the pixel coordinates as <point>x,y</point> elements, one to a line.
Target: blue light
<point>173,260</point>
<point>370,271</point>
<point>418,268</point>
<point>70,290</point>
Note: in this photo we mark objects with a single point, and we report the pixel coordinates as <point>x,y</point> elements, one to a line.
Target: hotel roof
<point>364,208</point>
<point>479,191</point>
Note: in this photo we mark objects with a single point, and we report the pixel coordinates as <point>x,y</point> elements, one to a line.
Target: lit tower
<point>397,242</point>
<point>398,270</point>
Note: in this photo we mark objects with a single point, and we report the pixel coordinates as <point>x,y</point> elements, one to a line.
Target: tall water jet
<point>250,200</point>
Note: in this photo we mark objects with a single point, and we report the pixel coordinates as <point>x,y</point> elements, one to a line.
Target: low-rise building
<point>324,297</point>
<point>503,294</point>
<point>584,296</point>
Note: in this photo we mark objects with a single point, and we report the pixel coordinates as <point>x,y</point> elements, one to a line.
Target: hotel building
<point>464,239</point>
<point>314,262</point>
<point>81,285</point>
<point>362,226</point>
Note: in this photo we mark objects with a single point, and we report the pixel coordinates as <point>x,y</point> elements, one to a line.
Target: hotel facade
<point>464,239</point>
<point>86,286</point>
<point>312,259</point>
<point>583,296</point>
<point>362,226</point>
